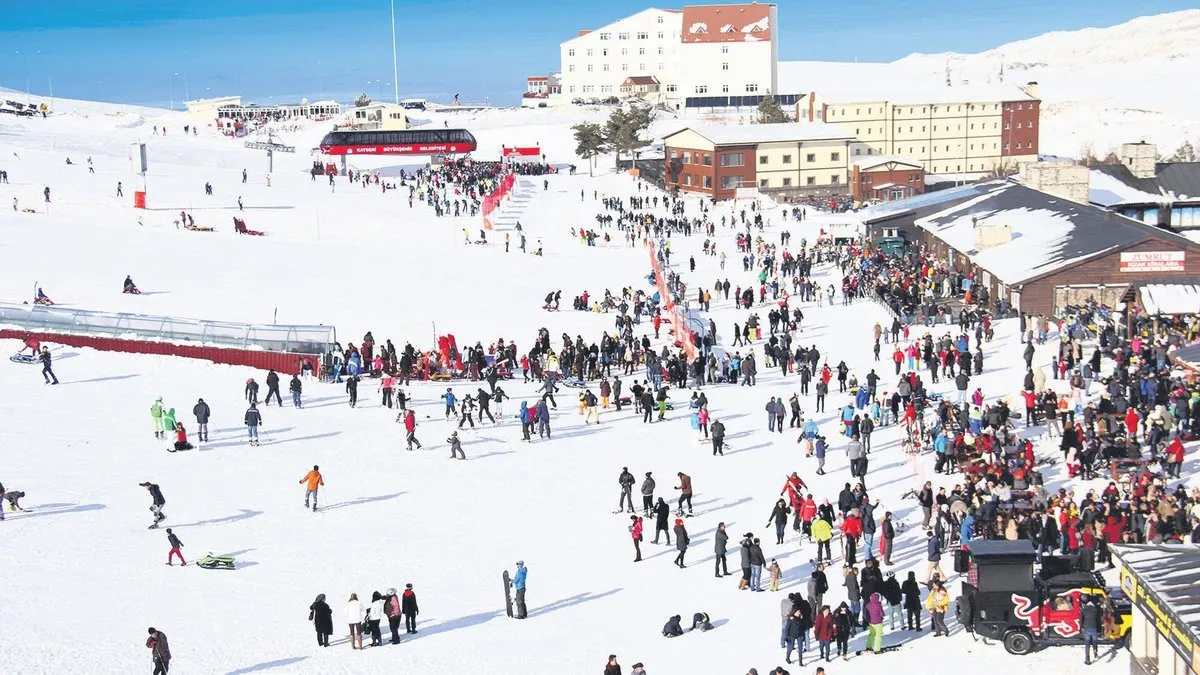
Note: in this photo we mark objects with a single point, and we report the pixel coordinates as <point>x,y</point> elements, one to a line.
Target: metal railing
<point>267,337</point>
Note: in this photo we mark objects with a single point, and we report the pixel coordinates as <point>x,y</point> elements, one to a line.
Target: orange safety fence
<point>491,201</point>
<point>669,311</point>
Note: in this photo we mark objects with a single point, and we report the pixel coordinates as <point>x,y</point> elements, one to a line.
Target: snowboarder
<point>313,482</point>
<point>202,413</point>
<point>518,583</point>
<point>175,546</point>
<point>252,419</point>
<point>456,451</point>
<point>158,502</point>
<point>273,388</point>
<point>47,372</point>
<point>160,652</point>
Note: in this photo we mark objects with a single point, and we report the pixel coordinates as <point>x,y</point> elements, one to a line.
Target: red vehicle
<point>406,142</point>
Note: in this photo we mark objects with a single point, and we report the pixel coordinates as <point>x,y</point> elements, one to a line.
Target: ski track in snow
<point>83,578</point>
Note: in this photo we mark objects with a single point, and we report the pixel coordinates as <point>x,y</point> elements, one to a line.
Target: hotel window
<point>935,108</point>
<point>724,89</point>
<point>922,111</point>
<point>672,87</point>
<point>687,179</point>
<point>1018,125</point>
<point>606,89</point>
<point>641,51</point>
<point>835,156</point>
<point>589,52</point>
<point>762,182</point>
<point>660,65</point>
<point>588,88</point>
<point>787,159</point>
<point>604,36</point>
<point>810,157</point>
<point>660,33</point>
<point>624,51</point>
<point>641,67</point>
<point>643,35</point>
<point>623,36</point>
<point>858,151</point>
<point>571,89</point>
<point>708,181</point>
<point>731,182</point>
<point>733,159</point>
<point>787,182</point>
<point>624,67</point>
<point>868,111</point>
<point>811,180</point>
<point>1007,126</point>
<point>660,50</point>
<point>857,111</point>
<point>660,19</point>
<point>707,160</point>
<point>687,158</point>
<point>857,132</point>
<point>571,68</point>
<point>589,67</point>
<point>702,89</point>
<point>570,52</point>
<point>762,159</point>
<point>935,127</point>
<point>834,178</point>
<point>724,49</point>
<point>724,66</point>
<point>751,88</point>
<point>605,68</point>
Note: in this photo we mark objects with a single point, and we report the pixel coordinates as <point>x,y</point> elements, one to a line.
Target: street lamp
<point>171,88</point>
<point>26,59</point>
<point>395,67</point>
<point>49,79</point>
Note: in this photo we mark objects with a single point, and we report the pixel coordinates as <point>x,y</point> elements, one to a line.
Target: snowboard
<point>508,602</point>
<point>888,648</point>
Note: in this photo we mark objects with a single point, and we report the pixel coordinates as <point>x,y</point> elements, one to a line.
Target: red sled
<point>239,226</point>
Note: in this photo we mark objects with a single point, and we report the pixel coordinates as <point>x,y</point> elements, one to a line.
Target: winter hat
<point>409,586</point>
<point>168,530</point>
<point>647,474</point>
<point>520,563</point>
<point>678,521</point>
<point>391,591</point>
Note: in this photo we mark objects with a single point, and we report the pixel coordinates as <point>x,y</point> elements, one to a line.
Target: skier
<point>273,388</point>
<point>252,419</point>
<point>159,650</point>
<point>408,605</point>
<point>410,429</point>
<point>626,481</point>
<point>518,583</point>
<point>313,482</point>
<point>295,387</point>
<point>450,401</point>
<point>158,502</point>
<point>202,413</point>
<point>175,546</point>
<point>47,372</point>
<point>251,391</point>
<point>352,389</point>
<point>456,451</point>
<point>156,413</point>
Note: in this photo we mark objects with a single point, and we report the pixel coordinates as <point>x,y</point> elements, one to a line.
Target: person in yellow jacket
<point>822,533</point>
<point>312,482</point>
<point>938,603</point>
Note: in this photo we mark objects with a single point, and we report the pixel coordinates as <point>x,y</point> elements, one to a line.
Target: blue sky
<point>152,51</point>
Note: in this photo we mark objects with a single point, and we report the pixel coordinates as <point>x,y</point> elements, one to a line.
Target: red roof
<point>637,80</point>
<point>726,23</point>
<point>537,78</point>
<point>583,32</point>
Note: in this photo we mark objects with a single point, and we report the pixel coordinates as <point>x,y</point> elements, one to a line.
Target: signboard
<point>532,151</point>
<point>1153,261</point>
<point>410,149</point>
<point>1163,619</point>
<point>745,193</point>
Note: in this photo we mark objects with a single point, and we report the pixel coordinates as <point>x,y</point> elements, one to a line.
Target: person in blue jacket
<point>967,529</point>
<point>450,400</point>
<point>525,425</point>
<point>862,398</point>
<point>543,419</point>
<point>518,583</point>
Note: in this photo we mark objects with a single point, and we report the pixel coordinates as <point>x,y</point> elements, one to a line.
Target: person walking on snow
<point>295,387</point>
<point>635,531</point>
<point>175,546</point>
<point>47,372</point>
<point>252,420</point>
<point>273,389</point>
<point>251,392</point>
<point>456,451</point>
<point>410,429</point>
<point>202,413</point>
<point>681,541</point>
<point>313,482</point>
<point>160,652</point>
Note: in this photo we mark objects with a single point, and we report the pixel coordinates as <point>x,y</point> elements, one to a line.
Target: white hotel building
<point>695,53</point>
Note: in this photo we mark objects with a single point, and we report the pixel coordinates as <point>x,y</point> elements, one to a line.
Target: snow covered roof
<point>737,134</point>
<point>726,23</point>
<point>1170,575</point>
<point>1115,184</point>
<point>846,82</point>
<point>871,161</point>
<point>1171,298</point>
<point>1048,233</point>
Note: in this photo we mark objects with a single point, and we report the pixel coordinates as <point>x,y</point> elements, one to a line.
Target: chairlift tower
<point>271,147</point>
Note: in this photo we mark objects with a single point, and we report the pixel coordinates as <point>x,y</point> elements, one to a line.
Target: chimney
<point>1140,158</point>
<point>1032,89</point>
<point>1063,179</point>
<point>990,236</point>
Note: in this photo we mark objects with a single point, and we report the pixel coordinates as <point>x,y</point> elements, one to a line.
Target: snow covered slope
<point>1100,87</point>
<point>82,578</point>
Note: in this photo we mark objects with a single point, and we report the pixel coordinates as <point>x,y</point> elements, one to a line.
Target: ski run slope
<point>83,577</point>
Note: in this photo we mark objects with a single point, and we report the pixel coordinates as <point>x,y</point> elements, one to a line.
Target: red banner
<point>491,201</point>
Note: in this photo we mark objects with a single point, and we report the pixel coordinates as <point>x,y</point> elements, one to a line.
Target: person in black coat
<point>672,627</point>
<point>912,601</point>
<point>661,513</point>
<point>408,606</point>
<point>202,413</point>
<point>681,541</point>
<point>721,539</point>
<point>272,389</point>
<point>322,617</point>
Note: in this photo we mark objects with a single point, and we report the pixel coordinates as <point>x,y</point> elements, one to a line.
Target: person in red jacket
<point>1031,401</point>
<point>852,529</point>
<point>1131,422</point>
<point>181,441</point>
<point>824,630</point>
<point>657,321</point>
<point>897,358</point>
<point>1175,457</point>
<point>410,428</point>
<point>635,531</point>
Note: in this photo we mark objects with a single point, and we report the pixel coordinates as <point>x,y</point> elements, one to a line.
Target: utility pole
<point>395,63</point>
<point>26,59</point>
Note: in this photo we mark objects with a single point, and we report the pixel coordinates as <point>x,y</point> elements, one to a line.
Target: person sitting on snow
<point>672,629</point>
<point>129,286</point>
<point>700,620</point>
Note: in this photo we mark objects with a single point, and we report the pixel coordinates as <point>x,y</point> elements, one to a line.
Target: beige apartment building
<point>966,132</point>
